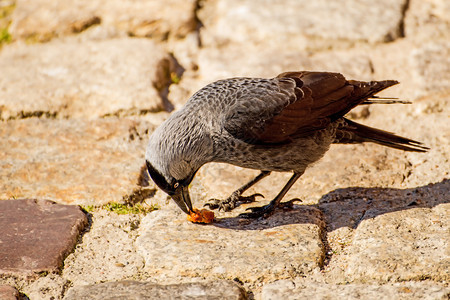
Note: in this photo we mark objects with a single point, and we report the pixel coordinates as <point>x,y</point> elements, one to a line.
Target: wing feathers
<point>296,104</point>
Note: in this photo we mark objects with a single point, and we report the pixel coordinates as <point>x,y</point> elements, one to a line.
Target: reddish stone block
<point>37,235</point>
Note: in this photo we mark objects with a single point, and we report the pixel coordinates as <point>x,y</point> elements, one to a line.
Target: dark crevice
<point>33,114</point>
<point>401,26</point>
<point>168,72</point>
<point>133,112</point>
<point>198,22</point>
<point>139,196</point>
<point>399,31</point>
<point>327,252</point>
<point>82,25</point>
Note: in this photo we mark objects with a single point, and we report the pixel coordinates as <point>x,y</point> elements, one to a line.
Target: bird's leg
<point>233,200</point>
<point>268,209</point>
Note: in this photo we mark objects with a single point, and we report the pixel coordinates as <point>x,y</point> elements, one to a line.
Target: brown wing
<point>321,97</point>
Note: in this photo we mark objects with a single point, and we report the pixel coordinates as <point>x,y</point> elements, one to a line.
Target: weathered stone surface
<point>8,293</point>
<point>431,63</point>
<point>299,24</point>
<point>42,20</point>
<point>89,79</point>
<point>308,289</point>
<point>388,234</point>
<point>71,161</point>
<point>420,66</point>
<point>52,286</point>
<point>145,290</point>
<point>285,245</point>
<point>37,235</point>
<point>427,20</point>
<point>108,252</point>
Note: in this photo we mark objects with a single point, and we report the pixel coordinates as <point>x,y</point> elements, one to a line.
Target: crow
<point>281,124</point>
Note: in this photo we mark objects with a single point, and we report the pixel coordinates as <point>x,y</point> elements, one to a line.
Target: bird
<point>280,124</point>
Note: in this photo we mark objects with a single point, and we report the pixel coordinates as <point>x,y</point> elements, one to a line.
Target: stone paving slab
<point>71,161</point>
<point>8,292</point>
<point>389,234</point>
<point>428,20</point>
<point>108,251</point>
<point>308,289</point>
<point>215,290</point>
<point>287,244</point>
<point>37,235</point>
<point>66,78</point>
<point>298,24</point>
<point>41,20</point>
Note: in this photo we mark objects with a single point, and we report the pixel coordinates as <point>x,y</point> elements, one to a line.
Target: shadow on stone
<point>299,214</point>
<point>348,207</point>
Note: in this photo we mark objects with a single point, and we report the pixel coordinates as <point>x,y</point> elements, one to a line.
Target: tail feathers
<point>385,100</point>
<point>363,93</point>
<point>353,132</point>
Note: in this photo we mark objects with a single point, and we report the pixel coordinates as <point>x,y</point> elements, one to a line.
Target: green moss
<point>122,209</point>
<point>5,36</point>
<point>174,78</point>
<point>88,208</point>
<point>5,20</point>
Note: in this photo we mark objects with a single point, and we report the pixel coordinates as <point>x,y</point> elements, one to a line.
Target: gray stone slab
<point>284,245</point>
<point>73,161</point>
<point>108,251</point>
<point>298,23</point>
<point>215,290</point>
<point>89,79</point>
<point>428,20</point>
<point>42,20</point>
<point>8,292</point>
<point>37,235</point>
<point>307,289</point>
<point>386,235</point>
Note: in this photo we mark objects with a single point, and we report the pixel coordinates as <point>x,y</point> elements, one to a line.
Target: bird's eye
<point>176,185</point>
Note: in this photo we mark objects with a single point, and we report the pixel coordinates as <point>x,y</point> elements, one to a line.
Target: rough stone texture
<point>42,20</point>
<point>357,200</point>
<point>428,20</point>
<point>37,235</point>
<point>52,286</point>
<point>107,253</point>
<point>8,293</point>
<point>299,24</point>
<point>72,161</point>
<point>433,74</point>
<point>284,245</point>
<point>307,289</point>
<point>89,79</point>
<point>215,290</point>
<point>388,234</point>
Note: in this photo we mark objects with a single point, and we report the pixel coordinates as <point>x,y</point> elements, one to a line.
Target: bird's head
<point>177,189</point>
<point>173,157</point>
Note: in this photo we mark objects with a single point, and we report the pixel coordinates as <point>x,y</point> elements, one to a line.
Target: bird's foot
<point>231,202</point>
<point>266,210</point>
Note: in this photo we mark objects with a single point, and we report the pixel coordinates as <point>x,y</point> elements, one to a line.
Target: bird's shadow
<point>347,207</point>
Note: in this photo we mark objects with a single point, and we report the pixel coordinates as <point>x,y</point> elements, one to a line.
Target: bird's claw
<point>231,202</point>
<point>289,204</point>
<point>266,210</point>
<point>257,212</point>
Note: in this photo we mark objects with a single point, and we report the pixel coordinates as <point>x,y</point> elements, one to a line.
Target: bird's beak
<point>183,200</point>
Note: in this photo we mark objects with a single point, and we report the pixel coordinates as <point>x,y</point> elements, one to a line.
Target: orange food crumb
<point>201,216</point>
